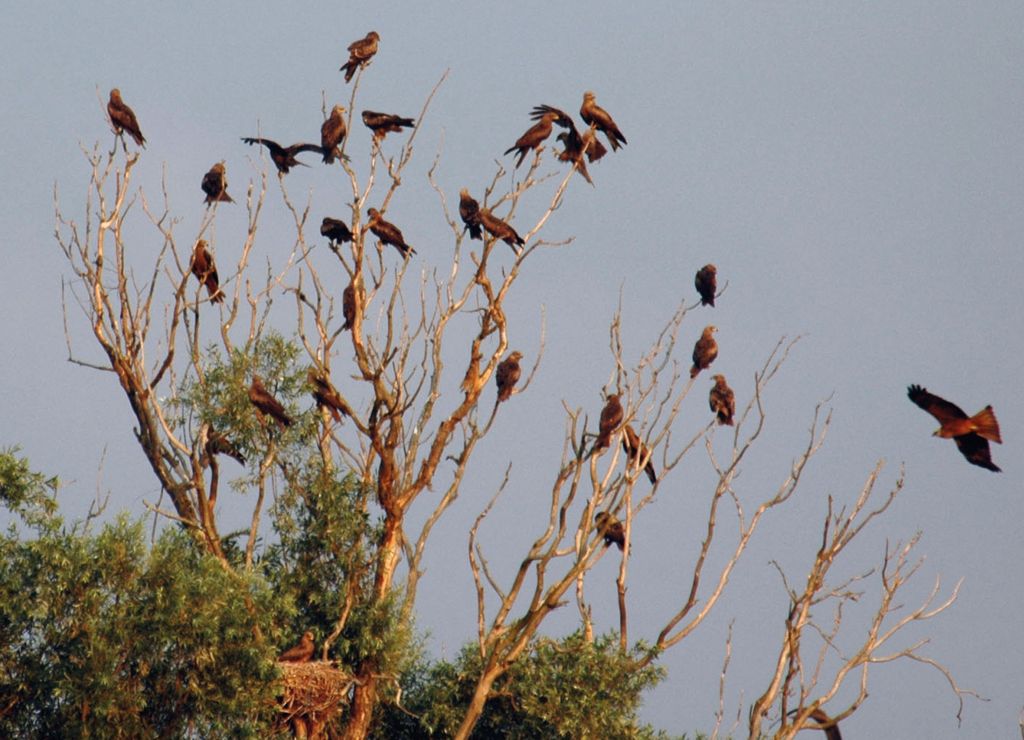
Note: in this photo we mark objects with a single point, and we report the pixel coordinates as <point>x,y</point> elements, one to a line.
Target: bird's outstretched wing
<point>940,408</point>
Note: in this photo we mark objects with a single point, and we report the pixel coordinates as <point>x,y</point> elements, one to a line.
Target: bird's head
<point>516,356</point>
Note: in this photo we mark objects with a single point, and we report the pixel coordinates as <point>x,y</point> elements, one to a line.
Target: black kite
<point>215,184</point>
<point>704,351</point>
<point>300,653</point>
<point>971,433</point>
<point>634,448</point>
<point>283,157</point>
<point>534,136</point>
<point>348,306</point>
<point>611,529</point>
<point>266,404</point>
<point>332,132</point>
<point>218,444</point>
<point>611,417</point>
<point>500,230</point>
<point>326,395</point>
<point>469,210</point>
<point>706,282</point>
<point>123,118</point>
<point>205,270</point>
<point>382,123</point>
<point>336,230</point>
<point>507,376</point>
<point>596,116</point>
<point>387,232</point>
<point>359,54</point>
<point>722,400</point>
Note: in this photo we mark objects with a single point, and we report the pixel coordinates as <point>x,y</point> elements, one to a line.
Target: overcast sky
<point>854,170</point>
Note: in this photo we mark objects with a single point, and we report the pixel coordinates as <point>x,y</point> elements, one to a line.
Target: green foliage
<point>27,493</point>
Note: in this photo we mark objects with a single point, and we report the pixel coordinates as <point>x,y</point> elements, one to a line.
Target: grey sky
<point>854,170</point>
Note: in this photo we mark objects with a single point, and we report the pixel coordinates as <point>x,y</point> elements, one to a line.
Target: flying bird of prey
<point>336,230</point>
<point>387,232</point>
<point>469,210</point>
<point>332,132</point>
<point>534,136</point>
<point>348,306</point>
<point>218,444</point>
<point>205,270</point>
<point>507,376</point>
<point>326,395</point>
<point>611,529</point>
<point>722,400</point>
<point>634,448</point>
<point>265,403</point>
<point>123,118</point>
<point>706,282</point>
<point>382,123</point>
<point>283,157</point>
<point>971,433</point>
<point>500,230</point>
<point>300,653</point>
<point>596,116</point>
<point>215,185</point>
<point>704,351</point>
<point>611,417</point>
<point>359,54</point>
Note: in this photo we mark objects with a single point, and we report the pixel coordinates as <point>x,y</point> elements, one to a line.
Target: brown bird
<point>300,653</point>
<point>123,118</point>
<point>283,157</point>
<point>722,400</point>
<point>634,448</point>
<point>573,152</point>
<point>500,230</point>
<point>382,123</point>
<point>611,529</point>
<point>359,54</point>
<point>469,210</point>
<point>596,116</point>
<point>218,444</point>
<point>348,306</point>
<point>265,403</point>
<point>215,184</point>
<point>507,376</point>
<point>706,282</point>
<point>704,351</point>
<point>611,417</point>
<point>971,433</point>
<point>332,132</point>
<point>534,136</point>
<point>336,230</point>
<point>205,270</point>
<point>387,232</point>
<point>326,395</point>
<point>575,145</point>
<point>825,723</point>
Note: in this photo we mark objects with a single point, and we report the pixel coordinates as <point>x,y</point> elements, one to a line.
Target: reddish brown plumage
<point>610,529</point>
<point>300,653</point>
<point>534,136</point>
<point>381,123</point>
<point>359,54</point>
<point>336,230</point>
<point>500,230</point>
<point>469,211</point>
<point>507,376</point>
<point>706,282</point>
<point>722,400</point>
<point>704,351</point>
<point>123,118</point>
<point>596,116</point>
<point>215,185</point>
<point>332,132</point>
<point>348,306</point>
<point>218,444</point>
<point>634,448</point>
<point>971,433</point>
<point>611,417</point>
<point>283,157</point>
<point>326,395</point>
<point>387,232</point>
<point>205,270</point>
<point>265,403</point>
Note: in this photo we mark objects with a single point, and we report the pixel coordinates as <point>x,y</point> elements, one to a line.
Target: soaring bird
<point>387,232</point>
<point>326,395</point>
<point>265,403</point>
<point>500,230</point>
<point>611,529</point>
<point>283,157</point>
<point>706,283</point>
<point>336,230</point>
<point>507,376</point>
<point>596,116</point>
<point>359,54</point>
<point>348,306</point>
<point>332,132</point>
<point>123,118</point>
<point>215,184</point>
<point>205,270</point>
<point>634,448</point>
<point>300,653</point>
<point>971,433</point>
<point>722,400</point>
<point>534,136</point>
<point>704,351</point>
<point>218,444</point>
<point>382,123</point>
<point>469,210</point>
<point>611,417</point>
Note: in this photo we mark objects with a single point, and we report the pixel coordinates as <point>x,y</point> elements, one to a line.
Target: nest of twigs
<point>313,696</point>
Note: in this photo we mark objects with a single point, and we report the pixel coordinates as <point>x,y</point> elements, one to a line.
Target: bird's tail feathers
<point>985,425</point>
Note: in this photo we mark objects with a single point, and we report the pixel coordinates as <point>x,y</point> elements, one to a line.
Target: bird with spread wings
<point>971,433</point>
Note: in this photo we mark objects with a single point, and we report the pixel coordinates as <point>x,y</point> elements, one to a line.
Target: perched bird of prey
<point>123,118</point>
<point>348,306</point>
<point>283,157</point>
<point>722,400</point>
<point>971,433</point>
<point>611,529</point>
<point>332,132</point>
<point>215,184</point>
<point>266,404</point>
<point>596,116</point>
<point>336,230</point>
<point>469,210</point>
<point>534,136</point>
<point>575,145</point>
<point>387,232</point>
<point>359,54</point>
<point>301,653</point>
<point>326,395</point>
<point>500,230</point>
<point>634,448</point>
<point>507,376</point>
<point>218,444</point>
<point>382,123</point>
<point>611,417</point>
<point>205,270</point>
<point>706,282</point>
<point>704,351</point>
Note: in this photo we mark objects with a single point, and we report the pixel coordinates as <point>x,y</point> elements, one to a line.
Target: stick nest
<point>313,696</point>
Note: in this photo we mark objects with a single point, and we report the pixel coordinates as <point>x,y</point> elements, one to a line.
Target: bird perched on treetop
<point>215,184</point>
<point>332,131</point>
<point>534,136</point>
<point>706,283</point>
<point>634,448</point>
<point>382,123</point>
<point>596,116</point>
<point>123,118</point>
<point>611,417</point>
<point>722,400</point>
<point>611,529</point>
<point>336,230</point>
<point>507,376</point>
<point>359,54</point>
<point>469,210</point>
<point>205,270</point>
<point>500,230</point>
<point>387,232</point>
<point>265,403</point>
<point>704,351</point>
